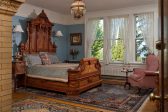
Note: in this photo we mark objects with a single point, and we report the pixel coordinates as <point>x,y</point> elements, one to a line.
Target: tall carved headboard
<point>39,35</point>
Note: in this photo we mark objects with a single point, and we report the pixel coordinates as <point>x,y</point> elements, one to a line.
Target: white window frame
<point>134,16</point>
<point>129,11</point>
<point>86,39</point>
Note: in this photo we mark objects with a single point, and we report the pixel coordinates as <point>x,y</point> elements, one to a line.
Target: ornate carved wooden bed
<point>82,78</point>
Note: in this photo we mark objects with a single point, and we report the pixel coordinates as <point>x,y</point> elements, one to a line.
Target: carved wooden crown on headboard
<point>39,35</point>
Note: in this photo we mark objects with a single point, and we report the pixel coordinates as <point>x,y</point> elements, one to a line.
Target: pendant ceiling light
<point>78,9</point>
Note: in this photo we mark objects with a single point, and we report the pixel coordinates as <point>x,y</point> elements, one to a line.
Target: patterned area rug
<point>106,96</point>
<point>34,105</point>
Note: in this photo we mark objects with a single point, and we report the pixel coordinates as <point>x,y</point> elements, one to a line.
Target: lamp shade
<point>78,9</point>
<point>18,28</point>
<point>59,33</point>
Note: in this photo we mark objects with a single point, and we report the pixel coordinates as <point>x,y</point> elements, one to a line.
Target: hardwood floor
<point>148,106</point>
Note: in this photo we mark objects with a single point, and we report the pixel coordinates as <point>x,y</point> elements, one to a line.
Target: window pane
<point>117,50</point>
<point>141,47</point>
<point>118,34</point>
<point>97,47</point>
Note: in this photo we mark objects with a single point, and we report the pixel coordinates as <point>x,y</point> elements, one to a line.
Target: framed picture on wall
<point>76,38</point>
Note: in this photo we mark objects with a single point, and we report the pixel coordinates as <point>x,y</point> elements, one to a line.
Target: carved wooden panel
<point>39,35</point>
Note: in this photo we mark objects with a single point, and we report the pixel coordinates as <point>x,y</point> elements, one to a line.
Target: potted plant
<point>74,52</point>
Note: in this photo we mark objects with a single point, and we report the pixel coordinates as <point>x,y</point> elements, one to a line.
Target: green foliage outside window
<point>97,47</point>
<point>118,50</point>
<point>141,48</point>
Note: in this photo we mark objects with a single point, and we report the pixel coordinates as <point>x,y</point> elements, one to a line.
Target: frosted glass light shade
<point>18,28</point>
<point>59,33</point>
<point>78,9</point>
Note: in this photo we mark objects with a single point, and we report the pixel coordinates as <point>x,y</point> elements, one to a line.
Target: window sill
<point>137,63</point>
<point>121,63</point>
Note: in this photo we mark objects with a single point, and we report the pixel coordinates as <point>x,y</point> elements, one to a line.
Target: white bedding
<point>54,72</point>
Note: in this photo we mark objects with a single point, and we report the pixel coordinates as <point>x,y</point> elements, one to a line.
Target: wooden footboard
<point>84,77</point>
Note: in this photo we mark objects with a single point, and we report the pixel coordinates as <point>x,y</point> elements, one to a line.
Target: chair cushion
<point>137,77</point>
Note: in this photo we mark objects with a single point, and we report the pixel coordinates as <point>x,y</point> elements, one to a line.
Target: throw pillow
<point>44,59</point>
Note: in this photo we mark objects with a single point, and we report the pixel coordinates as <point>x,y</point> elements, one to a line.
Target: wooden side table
<point>18,69</point>
<point>126,76</point>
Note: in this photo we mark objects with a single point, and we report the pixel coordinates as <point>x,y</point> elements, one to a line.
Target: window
<point>120,39</point>
<point>144,36</point>
<point>97,46</point>
<point>118,34</point>
<point>94,38</point>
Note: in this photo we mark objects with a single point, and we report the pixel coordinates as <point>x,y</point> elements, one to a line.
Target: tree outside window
<point>140,47</point>
<point>118,45</point>
<point>118,50</point>
<point>117,42</point>
<point>97,47</point>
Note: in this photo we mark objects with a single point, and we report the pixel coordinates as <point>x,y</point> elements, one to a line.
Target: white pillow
<point>33,59</point>
<point>53,58</point>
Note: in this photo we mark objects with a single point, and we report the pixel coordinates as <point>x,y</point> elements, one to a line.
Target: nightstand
<point>18,70</point>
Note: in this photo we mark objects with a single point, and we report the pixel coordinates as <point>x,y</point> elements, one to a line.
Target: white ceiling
<point>63,6</point>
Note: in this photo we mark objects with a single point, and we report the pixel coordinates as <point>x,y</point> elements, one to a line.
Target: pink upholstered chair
<point>145,78</point>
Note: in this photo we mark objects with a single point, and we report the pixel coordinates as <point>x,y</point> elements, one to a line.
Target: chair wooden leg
<point>127,83</point>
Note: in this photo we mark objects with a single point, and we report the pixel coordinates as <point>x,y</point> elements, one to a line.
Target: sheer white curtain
<point>90,35</point>
<point>148,30</point>
<point>106,50</point>
<point>117,25</point>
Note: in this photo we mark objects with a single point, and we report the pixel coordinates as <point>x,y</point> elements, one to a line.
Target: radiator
<point>115,70</point>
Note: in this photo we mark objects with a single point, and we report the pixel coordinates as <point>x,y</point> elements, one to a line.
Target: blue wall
<point>62,43</point>
<point>18,37</point>
<point>79,28</point>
